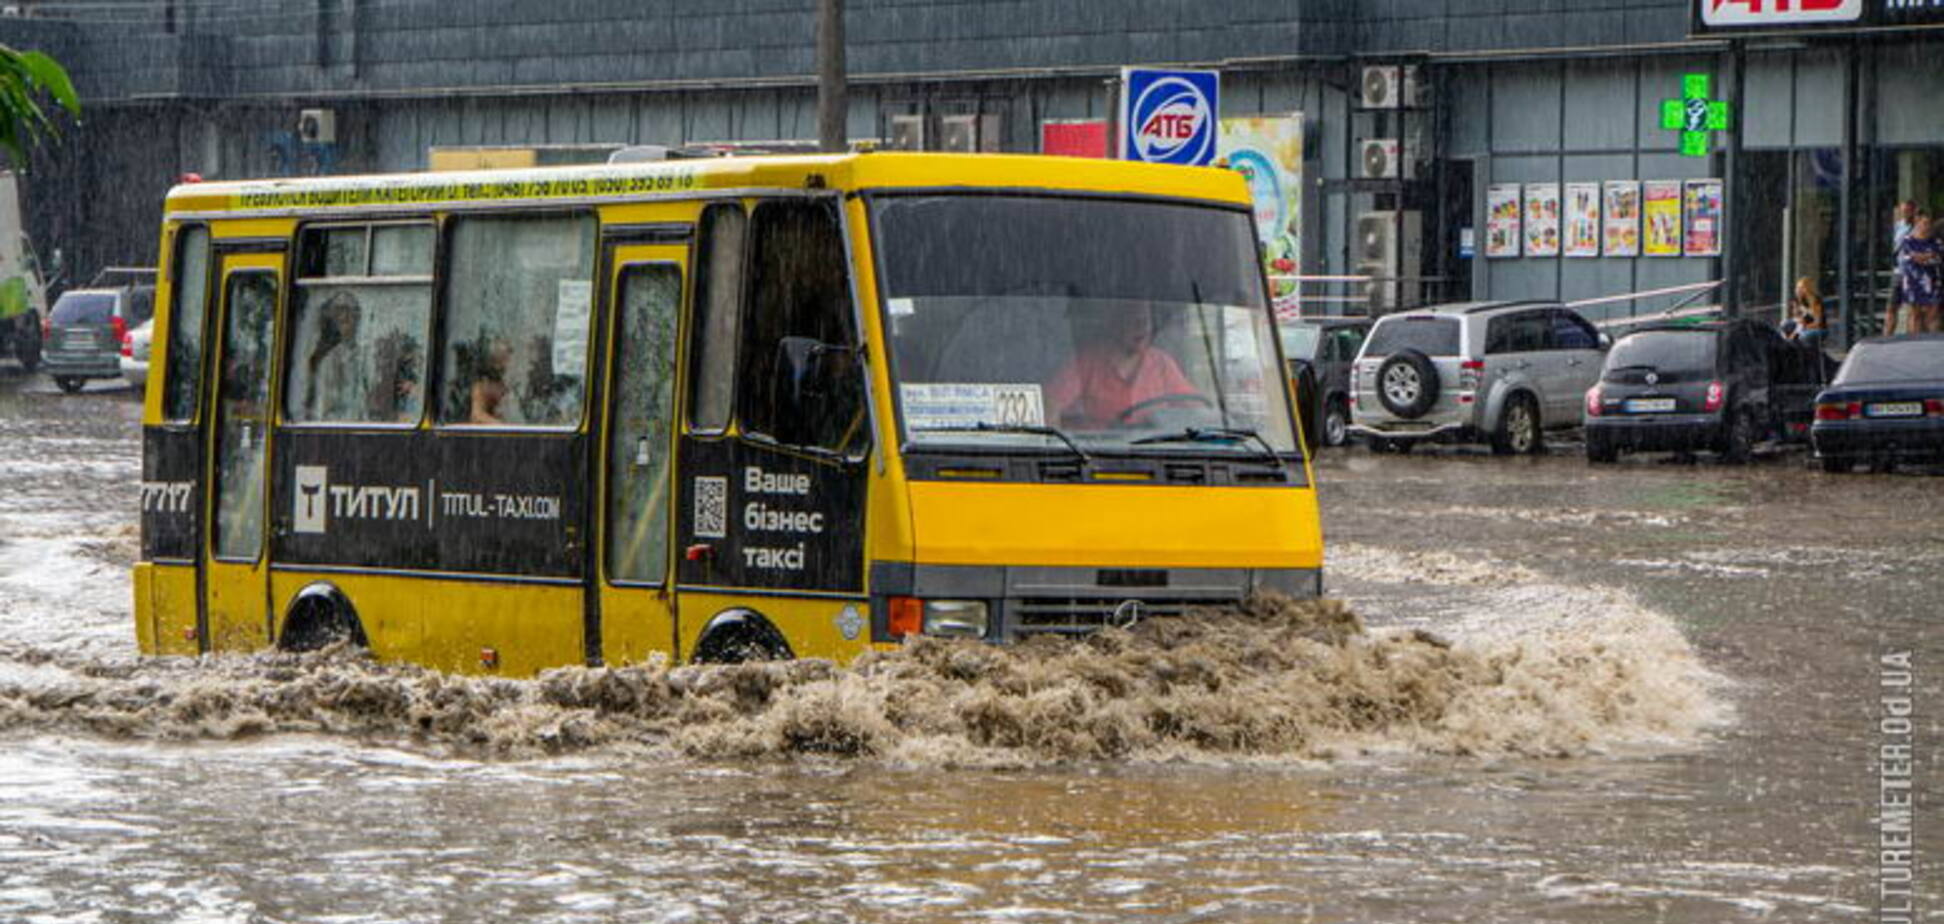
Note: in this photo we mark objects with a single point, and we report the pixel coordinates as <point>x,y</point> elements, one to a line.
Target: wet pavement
<point>1661,701</point>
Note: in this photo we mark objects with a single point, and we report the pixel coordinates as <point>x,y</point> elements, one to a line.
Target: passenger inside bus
<point>489,392</point>
<point>397,397</point>
<point>1117,376</point>
<point>334,366</point>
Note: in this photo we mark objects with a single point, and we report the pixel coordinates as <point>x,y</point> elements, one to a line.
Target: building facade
<point>1819,124</point>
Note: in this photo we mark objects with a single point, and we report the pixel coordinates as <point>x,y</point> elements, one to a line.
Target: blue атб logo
<point>1168,117</point>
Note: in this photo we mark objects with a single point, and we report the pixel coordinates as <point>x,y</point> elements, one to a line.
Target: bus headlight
<point>956,618</point>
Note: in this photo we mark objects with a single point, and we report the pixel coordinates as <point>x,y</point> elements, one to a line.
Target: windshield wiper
<point>1037,429</point>
<point>1213,435</point>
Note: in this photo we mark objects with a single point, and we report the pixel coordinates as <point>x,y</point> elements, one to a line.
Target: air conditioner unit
<point>970,133</point>
<point>1389,86</point>
<point>1383,159</point>
<point>1388,246</point>
<point>317,126</point>
<point>907,133</point>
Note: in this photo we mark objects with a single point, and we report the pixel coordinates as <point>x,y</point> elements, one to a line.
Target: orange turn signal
<point>907,617</point>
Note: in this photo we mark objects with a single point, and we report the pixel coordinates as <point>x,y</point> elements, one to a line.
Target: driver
<point>1115,371</point>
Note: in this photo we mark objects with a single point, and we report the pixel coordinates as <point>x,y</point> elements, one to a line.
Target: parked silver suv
<point>1498,372</point>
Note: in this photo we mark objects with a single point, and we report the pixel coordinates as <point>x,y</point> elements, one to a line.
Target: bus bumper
<point>1025,601</point>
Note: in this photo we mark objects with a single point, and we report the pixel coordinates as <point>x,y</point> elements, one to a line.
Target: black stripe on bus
<point>769,592</point>
<point>415,574</point>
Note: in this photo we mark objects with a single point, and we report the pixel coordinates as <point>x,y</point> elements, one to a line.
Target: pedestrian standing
<point>1807,309</point>
<point>1920,273</point>
<point>1901,219</point>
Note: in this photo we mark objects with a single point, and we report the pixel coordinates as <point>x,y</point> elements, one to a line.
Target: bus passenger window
<point>360,320</point>
<point>519,306</point>
<point>189,282</point>
<point>718,300</point>
<point>799,381</point>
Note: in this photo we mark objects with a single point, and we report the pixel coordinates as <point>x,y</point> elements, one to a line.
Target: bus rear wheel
<point>318,618</point>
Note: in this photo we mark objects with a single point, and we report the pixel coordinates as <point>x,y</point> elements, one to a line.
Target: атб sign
<point>1168,117</point>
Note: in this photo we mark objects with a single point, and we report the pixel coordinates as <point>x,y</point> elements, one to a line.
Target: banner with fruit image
<point>1268,152</point>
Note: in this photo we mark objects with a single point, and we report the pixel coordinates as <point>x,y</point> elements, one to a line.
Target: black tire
<point>1407,384</point>
<point>1836,466</point>
<point>70,384</point>
<point>1336,422</point>
<point>1600,450</point>
<point>318,620</point>
<point>735,637</point>
<point>1738,438</point>
<point>1519,428</point>
<point>27,345</point>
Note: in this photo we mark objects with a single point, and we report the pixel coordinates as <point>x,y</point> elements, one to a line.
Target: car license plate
<point>1649,405</point>
<point>1895,409</point>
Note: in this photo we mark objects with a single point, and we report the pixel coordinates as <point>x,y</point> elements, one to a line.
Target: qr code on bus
<point>712,507</point>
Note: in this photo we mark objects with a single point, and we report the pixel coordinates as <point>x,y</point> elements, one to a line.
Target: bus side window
<point>358,328</point>
<point>799,378</point>
<point>519,305</point>
<point>718,302</point>
<point>189,280</point>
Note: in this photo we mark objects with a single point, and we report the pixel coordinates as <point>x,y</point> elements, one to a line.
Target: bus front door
<point>236,573</point>
<point>632,611</point>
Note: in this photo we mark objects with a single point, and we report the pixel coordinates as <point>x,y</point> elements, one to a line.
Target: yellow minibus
<point>711,410</point>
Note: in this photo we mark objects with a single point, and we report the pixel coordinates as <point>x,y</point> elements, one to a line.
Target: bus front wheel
<point>320,616</point>
<point>740,635</point>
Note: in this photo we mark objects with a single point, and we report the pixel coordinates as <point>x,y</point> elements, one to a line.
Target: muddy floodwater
<point>1654,691</point>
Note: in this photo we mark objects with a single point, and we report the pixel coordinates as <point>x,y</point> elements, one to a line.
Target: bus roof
<point>604,182</point>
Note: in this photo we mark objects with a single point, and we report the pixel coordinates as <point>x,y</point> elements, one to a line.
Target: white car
<point>135,354</point>
<point>1497,372</point>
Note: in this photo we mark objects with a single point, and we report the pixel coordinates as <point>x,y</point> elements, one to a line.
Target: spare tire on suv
<point>1407,384</point>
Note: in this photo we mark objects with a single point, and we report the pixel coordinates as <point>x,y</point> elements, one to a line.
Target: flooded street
<point>1637,693</point>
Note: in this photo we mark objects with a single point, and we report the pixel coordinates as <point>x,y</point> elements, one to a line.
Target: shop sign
<point>1779,13</point>
<point>1741,16</point>
<point>1168,117</point>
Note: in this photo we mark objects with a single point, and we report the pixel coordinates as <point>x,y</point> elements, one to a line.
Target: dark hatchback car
<point>85,329</point>
<point>1320,352</point>
<point>1885,406</point>
<point>1715,386</point>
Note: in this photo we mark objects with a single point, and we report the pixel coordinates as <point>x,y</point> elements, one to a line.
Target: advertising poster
<point>1582,219</point>
<point>1268,152</point>
<point>1074,137</point>
<point>1542,219</point>
<point>1701,208</point>
<point>1621,218</point>
<point>1502,220</point>
<point>1661,214</point>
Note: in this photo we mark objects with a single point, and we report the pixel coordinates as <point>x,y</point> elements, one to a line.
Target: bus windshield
<point>1120,326</point>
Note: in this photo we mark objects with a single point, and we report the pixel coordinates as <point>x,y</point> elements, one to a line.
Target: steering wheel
<point>1178,397</point>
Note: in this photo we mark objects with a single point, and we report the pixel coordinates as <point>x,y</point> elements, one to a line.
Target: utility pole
<point>833,108</point>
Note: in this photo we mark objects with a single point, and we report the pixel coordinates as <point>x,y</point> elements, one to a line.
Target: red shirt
<point>1092,389</point>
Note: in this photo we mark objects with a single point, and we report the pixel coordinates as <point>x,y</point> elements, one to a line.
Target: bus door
<point>632,608</point>
<point>236,609</point>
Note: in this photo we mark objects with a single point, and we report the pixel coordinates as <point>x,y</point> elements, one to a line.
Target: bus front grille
<point>1082,615</point>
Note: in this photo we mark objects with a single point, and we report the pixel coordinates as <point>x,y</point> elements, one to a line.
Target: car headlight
<point>956,618</point>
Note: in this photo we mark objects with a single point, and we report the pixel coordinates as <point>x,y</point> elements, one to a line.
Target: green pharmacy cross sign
<point>1694,115</point>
